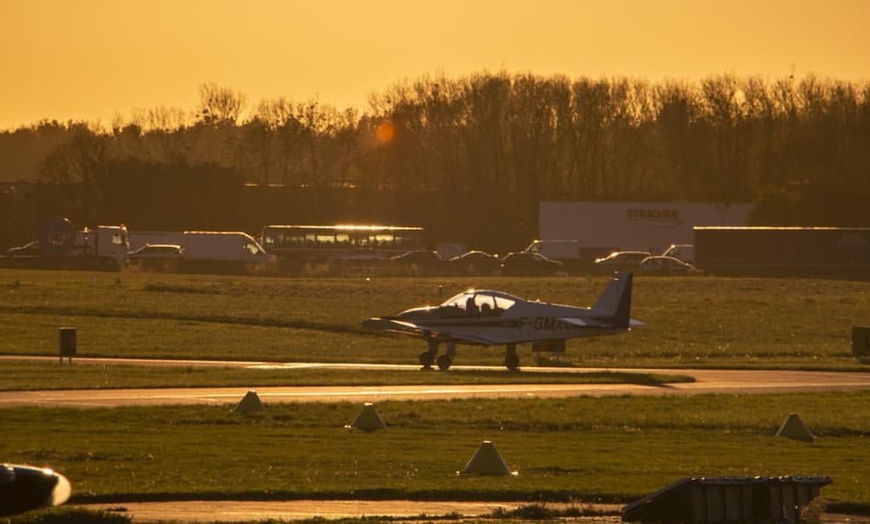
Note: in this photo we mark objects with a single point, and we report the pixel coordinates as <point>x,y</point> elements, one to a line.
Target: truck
<point>635,226</point>
<point>841,252</point>
<point>61,246</point>
<point>224,251</point>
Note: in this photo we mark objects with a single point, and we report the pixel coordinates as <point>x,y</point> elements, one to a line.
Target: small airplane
<point>24,488</point>
<point>487,318</point>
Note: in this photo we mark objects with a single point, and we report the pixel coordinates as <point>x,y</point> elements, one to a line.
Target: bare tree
<point>219,105</point>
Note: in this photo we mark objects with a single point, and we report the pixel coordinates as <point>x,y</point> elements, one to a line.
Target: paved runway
<point>706,381</point>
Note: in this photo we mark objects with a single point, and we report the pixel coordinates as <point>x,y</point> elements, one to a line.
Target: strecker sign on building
<point>634,225</point>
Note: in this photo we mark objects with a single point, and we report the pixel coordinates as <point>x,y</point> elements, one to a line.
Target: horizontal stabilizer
<point>585,322</point>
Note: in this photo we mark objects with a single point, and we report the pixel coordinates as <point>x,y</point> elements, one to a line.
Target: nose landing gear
<point>430,356</point>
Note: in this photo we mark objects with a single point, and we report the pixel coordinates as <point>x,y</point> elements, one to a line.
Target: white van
<point>233,246</point>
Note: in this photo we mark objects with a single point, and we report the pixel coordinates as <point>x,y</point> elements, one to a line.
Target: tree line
<point>469,158</point>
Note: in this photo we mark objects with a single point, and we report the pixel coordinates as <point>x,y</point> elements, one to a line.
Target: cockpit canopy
<point>481,302</point>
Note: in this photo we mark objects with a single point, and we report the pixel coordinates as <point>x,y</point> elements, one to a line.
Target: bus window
<point>323,242</point>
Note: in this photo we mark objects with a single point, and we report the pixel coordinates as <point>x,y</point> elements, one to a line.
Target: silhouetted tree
<point>219,105</point>
<point>79,166</point>
<point>471,157</point>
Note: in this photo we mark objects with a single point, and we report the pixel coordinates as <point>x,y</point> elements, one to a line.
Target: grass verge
<point>608,449</point>
<point>697,322</point>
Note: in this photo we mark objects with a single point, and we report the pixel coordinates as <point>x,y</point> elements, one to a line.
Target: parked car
<point>156,257</point>
<point>524,263</point>
<point>662,265</point>
<point>30,249</point>
<point>685,252</point>
<point>474,263</point>
<point>621,261</point>
<point>417,261</point>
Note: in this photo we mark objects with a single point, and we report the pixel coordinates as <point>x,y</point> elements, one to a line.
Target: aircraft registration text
<point>544,323</point>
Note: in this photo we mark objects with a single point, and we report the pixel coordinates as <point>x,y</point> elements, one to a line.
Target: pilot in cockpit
<point>471,306</point>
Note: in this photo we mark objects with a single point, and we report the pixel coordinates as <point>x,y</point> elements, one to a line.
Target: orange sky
<point>94,59</point>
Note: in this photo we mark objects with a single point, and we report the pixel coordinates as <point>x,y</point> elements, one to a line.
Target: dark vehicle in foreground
<point>474,263</point>
<point>662,265</point>
<point>529,264</point>
<point>26,488</point>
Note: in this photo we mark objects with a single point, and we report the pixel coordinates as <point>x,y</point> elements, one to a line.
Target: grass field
<point>615,448</point>
<point>705,321</point>
<point>612,448</point>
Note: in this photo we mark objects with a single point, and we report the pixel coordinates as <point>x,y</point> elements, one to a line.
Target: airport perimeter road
<point>194,512</point>
<point>251,511</point>
<point>706,381</point>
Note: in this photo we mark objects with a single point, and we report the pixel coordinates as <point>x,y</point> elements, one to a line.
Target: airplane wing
<point>469,336</point>
<point>393,326</point>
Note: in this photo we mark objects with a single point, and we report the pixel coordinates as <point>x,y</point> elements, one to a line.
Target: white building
<point>653,226</point>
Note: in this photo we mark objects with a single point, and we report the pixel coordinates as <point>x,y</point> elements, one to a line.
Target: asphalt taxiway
<point>705,381</point>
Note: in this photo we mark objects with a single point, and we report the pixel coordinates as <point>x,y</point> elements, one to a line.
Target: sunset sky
<point>97,59</point>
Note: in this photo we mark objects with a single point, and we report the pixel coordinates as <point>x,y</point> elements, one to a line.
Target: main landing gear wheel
<point>511,359</point>
<point>444,362</point>
<point>427,359</point>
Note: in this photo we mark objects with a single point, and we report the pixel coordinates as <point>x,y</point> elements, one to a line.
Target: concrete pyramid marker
<point>368,419</point>
<point>794,428</point>
<point>250,404</point>
<point>486,461</point>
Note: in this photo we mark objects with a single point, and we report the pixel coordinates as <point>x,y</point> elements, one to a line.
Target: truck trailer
<point>784,251</point>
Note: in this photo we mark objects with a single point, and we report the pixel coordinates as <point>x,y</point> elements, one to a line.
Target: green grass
<point>698,322</point>
<point>610,448</point>
<point>65,515</point>
<point>613,449</point>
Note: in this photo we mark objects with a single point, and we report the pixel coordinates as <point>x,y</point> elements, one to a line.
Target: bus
<point>325,243</point>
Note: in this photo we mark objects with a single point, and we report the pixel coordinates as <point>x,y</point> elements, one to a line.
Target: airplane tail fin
<point>615,301</point>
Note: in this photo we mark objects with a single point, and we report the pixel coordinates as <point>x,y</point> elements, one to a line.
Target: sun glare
<point>385,132</point>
